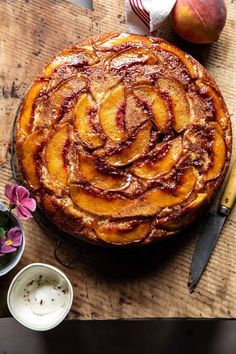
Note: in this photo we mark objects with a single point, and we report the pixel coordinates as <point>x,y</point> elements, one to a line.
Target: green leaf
<point>2,232</point>
<point>4,260</point>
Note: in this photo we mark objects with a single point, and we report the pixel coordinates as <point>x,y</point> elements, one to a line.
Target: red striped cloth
<point>146,16</point>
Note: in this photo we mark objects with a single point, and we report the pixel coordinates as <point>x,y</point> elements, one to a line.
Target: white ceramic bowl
<point>40,296</point>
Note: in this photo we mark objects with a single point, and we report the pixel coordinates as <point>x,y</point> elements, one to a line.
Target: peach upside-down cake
<point>123,139</point>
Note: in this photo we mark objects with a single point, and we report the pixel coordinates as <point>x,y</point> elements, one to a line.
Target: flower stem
<point>11,207</point>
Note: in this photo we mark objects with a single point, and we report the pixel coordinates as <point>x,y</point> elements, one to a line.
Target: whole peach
<point>199,21</point>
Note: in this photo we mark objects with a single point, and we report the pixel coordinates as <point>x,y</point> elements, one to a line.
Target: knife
<point>210,231</point>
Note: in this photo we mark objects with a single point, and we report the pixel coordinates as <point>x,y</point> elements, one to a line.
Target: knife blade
<point>210,231</point>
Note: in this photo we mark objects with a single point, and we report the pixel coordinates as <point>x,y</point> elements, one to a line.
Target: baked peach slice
<point>84,112</point>
<point>47,201</point>
<point>179,102</point>
<point>198,202</point>
<point>30,152</point>
<point>154,169</point>
<point>193,69</point>
<point>146,94</point>
<point>112,181</point>
<point>79,57</point>
<point>111,233</point>
<point>218,102</point>
<point>27,110</point>
<point>112,114</point>
<point>56,154</point>
<point>103,81</point>
<point>135,112</point>
<point>124,38</point>
<point>65,91</point>
<point>94,204</point>
<point>148,204</point>
<point>218,148</point>
<point>134,150</point>
<point>132,56</point>
<point>184,216</point>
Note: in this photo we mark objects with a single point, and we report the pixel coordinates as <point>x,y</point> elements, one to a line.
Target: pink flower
<point>19,198</point>
<point>12,240</point>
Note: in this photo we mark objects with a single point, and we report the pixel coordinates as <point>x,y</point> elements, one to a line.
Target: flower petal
<point>13,231</point>
<point>23,213</point>
<point>2,207</point>
<point>29,203</point>
<point>15,235</point>
<point>17,241</point>
<point>2,254</point>
<point>7,248</point>
<point>2,241</point>
<point>21,193</point>
<point>10,192</point>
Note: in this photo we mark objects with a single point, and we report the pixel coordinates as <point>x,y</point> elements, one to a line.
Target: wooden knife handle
<point>229,194</point>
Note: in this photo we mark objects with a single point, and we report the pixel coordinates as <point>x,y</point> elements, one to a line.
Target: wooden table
<point>155,285</point>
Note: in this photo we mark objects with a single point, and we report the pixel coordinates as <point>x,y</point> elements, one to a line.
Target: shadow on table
<point>202,52</point>
<point>116,264</point>
<point>126,264</point>
<point>137,263</point>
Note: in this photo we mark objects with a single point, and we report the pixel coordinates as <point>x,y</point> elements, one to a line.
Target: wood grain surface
<point>110,286</point>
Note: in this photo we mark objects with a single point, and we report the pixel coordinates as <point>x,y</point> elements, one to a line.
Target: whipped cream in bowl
<point>40,296</point>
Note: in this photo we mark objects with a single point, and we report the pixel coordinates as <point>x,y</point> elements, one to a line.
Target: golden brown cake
<point>122,139</point>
